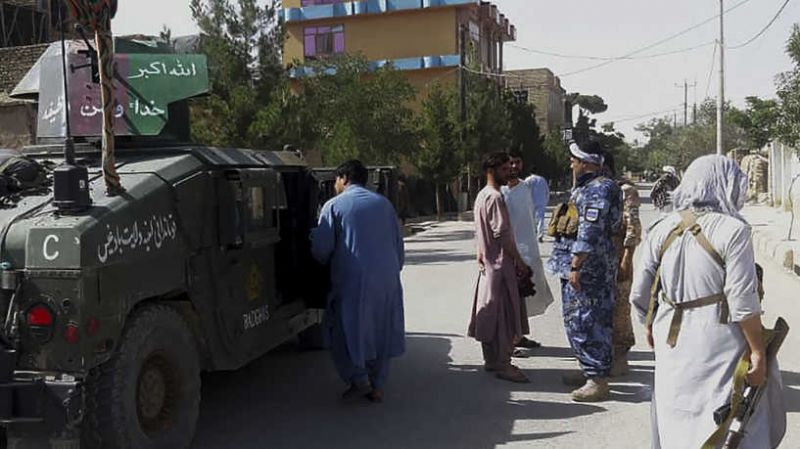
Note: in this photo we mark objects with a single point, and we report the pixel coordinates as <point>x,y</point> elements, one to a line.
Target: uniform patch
<point>592,214</point>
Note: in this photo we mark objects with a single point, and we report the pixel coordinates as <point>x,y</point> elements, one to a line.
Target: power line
<point>656,44</point>
<point>610,58</point>
<point>763,30</point>
<point>637,117</point>
<point>711,72</point>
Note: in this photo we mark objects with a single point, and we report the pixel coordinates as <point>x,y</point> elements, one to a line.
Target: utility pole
<point>462,81</point>
<point>686,87</point>
<point>721,97</point>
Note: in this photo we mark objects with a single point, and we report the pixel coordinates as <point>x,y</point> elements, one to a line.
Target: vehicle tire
<point>148,395</point>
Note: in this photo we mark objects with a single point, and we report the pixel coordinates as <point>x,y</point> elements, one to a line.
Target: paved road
<point>438,395</point>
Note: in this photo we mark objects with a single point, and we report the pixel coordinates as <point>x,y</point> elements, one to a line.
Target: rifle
<point>751,395</point>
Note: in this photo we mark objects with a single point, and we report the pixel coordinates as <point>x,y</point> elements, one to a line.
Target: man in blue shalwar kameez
<point>359,235</point>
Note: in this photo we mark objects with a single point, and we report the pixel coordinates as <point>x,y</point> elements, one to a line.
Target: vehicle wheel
<point>148,395</point>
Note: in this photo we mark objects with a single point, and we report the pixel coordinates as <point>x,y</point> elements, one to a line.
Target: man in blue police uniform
<point>585,259</point>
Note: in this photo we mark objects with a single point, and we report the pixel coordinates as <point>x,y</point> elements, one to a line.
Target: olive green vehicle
<point>110,311</point>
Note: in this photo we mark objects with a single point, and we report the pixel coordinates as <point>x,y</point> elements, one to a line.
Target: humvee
<point>110,312</point>
<point>382,180</point>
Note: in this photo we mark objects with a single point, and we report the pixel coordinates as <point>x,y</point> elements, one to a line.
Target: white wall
<point>784,169</point>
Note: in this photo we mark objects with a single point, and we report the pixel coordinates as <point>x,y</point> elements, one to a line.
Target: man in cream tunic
<point>517,195</point>
<point>694,378</point>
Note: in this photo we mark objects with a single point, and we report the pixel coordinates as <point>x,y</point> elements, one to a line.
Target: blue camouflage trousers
<point>588,321</point>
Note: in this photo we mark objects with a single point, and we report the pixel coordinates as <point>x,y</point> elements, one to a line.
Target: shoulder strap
<point>688,223</point>
<point>690,218</point>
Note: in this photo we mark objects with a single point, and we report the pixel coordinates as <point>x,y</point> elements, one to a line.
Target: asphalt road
<point>438,395</point>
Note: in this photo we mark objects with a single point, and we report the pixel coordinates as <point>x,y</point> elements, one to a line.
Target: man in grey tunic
<point>707,313</point>
<point>498,318</point>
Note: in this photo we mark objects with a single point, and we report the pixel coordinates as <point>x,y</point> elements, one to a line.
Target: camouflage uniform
<point>628,236</point>
<point>660,194</point>
<point>589,314</point>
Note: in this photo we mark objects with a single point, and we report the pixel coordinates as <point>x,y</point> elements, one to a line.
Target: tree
<point>437,157</point>
<point>679,146</point>
<point>487,127</point>
<point>588,105</point>
<point>789,94</point>
<point>345,110</point>
<point>242,42</point>
<point>556,166</point>
<point>524,135</point>
<point>759,121</point>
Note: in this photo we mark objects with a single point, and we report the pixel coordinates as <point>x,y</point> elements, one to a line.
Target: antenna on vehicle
<point>70,181</point>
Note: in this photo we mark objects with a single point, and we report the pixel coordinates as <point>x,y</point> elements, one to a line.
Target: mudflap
<point>39,410</point>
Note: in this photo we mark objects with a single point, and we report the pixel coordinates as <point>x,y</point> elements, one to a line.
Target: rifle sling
<point>737,393</point>
<point>680,307</point>
<point>688,223</point>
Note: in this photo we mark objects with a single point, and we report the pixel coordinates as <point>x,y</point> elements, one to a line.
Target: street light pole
<point>721,96</point>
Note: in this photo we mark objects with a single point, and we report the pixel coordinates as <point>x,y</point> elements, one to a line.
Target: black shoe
<point>528,344</point>
<point>520,354</point>
<point>356,392</point>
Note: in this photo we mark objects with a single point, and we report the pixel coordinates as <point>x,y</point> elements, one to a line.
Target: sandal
<point>375,396</point>
<point>528,344</point>
<point>513,374</point>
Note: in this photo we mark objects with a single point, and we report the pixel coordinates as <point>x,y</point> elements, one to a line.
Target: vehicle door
<point>248,201</point>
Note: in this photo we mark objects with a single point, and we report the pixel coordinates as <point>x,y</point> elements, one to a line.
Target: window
<point>475,31</point>
<point>323,41</point>
<point>256,209</point>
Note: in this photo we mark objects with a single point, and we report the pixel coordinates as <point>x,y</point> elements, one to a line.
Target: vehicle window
<point>256,208</point>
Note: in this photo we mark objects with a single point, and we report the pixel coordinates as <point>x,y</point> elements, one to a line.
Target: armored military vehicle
<point>382,180</point>
<point>112,306</point>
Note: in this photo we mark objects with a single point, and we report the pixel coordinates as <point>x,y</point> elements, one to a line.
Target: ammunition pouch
<point>564,222</point>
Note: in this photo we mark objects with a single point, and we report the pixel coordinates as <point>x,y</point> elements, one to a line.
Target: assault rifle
<point>751,395</point>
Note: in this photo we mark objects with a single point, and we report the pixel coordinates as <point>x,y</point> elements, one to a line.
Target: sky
<point>633,89</point>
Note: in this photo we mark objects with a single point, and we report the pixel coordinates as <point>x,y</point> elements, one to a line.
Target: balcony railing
<point>425,62</point>
<point>344,9</point>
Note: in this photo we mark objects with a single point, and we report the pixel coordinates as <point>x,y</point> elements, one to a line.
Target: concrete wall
<point>17,125</point>
<point>16,61</point>
<point>544,92</point>
<point>430,32</point>
<point>784,176</point>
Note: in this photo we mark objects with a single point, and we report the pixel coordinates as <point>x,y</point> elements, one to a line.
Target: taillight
<point>71,333</point>
<point>40,315</point>
<point>40,322</point>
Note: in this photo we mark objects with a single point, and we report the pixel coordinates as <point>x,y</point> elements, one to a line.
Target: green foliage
<point>437,157</point>
<point>347,111</point>
<point>487,126</point>
<point>789,94</point>
<point>679,146</point>
<point>758,121</point>
<point>242,42</point>
<point>524,134</point>
<point>592,104</point>
<point>555,160</point>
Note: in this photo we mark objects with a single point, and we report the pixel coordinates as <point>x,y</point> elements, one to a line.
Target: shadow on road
<point>434,256</point>
<point>791,386</point>
<point>454,236</point>
<point>289,399</point>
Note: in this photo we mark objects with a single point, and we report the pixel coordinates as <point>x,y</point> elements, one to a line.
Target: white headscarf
<point>712,182</point>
